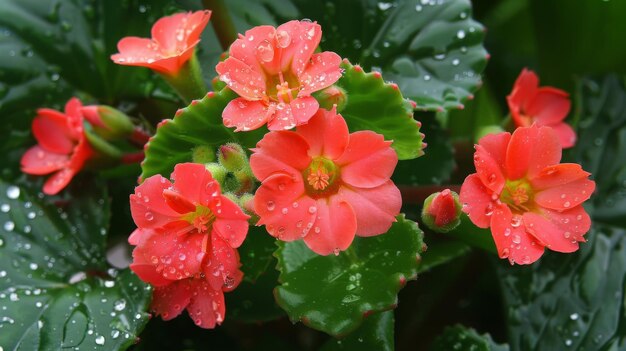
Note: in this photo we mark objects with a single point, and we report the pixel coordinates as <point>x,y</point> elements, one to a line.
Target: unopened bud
<point>333,95</point>
<point>203,154</point>
<point>442,211</point>
<point>107,122</point>
<point>217,171</point>
<point>232,157</point>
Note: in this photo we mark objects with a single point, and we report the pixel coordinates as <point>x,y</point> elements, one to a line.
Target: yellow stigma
<point>202,219</point>
<point>518,194</point>
<point>322,178</point>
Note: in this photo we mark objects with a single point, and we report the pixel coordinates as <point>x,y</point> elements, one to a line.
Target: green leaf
<point>437,164</point>
<point>256,253</point>
<point>433,50</point>
<point>53,49</point>
<point>602,141</point>
<point>197,125</point>
<point>254,302</point>
<point>335,293</point>
<point>55,289</point>
<point>569,301</point>
<point>379,106</point>
<point>440,252</point>
<point>555,20</point>
<point>459,337</point>
<point>376,333</point>
<point>576,300</point>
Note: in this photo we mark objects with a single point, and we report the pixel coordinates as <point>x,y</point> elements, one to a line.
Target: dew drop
<point>265,51</point>
<point>149,216</point>
<point>9,226</point>
<point>13,192</point>
<point>312,209</point>
<point>271,205</point>
<point>460,34</point>
<point>100,340</point>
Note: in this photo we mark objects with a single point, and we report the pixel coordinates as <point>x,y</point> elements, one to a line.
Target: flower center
<point>518,195</point>
<point>283,87</point>
<point>202,219</point>
<point>321,178</point>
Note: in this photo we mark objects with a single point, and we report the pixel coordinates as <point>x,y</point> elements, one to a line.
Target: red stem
<point>134,157</point>
<point>139,137</point>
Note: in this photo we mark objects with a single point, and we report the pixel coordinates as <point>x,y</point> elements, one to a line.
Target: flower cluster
<point>63,148</point>
<point>331,186</point>
<point>529,200</point>
<point>543,106</point>
<point>186,243</point>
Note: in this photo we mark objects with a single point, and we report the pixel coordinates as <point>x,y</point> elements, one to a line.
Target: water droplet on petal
<point>283,39</point>
<point>265,51</point>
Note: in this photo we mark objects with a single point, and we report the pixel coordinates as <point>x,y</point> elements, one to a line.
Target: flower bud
<point>217,171</point>
<point>442,211</point>
<point>232,157</point>
<point>107,122</point>
<point>333,95</point>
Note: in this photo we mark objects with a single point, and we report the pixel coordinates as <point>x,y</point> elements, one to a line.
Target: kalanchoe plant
<point>287,187</point>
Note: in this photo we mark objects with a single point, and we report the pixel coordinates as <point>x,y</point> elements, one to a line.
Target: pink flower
<point>529,200</point>
<point>442,211</point>
<point>275,70</point>
<point>190,218</point>
<point>324,185</point>
<point>545,106</point>
<point>63,147</point>
<point>173,41</point>
<point>202,293</point>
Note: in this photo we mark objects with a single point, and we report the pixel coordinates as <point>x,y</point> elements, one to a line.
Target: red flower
<point>202,293</point>
<point>275,70</point>
<point>442,211</point>
<point>529,200</point>
<point>545,106</point>
<point>190,216</point>
<point>63,147</point>
<point>328,187</point>
<point>173,41</point>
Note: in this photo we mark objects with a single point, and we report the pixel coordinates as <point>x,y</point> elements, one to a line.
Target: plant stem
<point>135,157</point>
<point>351,255</point>
<point>188,83</point>
<point>222,22</point>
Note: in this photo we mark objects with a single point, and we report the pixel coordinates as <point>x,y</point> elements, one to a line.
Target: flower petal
<point>375,208</point>
<point>562,187</point>
<point>174,256</point>
<point>322,71</point>
<point>241,78</point>
<point>179,31</point>
<point>530,151</point>
<point>476,200</point>
<point>147,205</point>
<point>270,156</point>
<point>231,222</point>
<point>282,206</point>
<point>511,238</point>
<point>558,231</point>
<point>297,112</point>
<point>489,160</point>
<point>52,131</point>
<point>246,115</point>
<point>548,106</point>
<point>170,300</point>
<point>334,228</point>
<point>222,266</point>
<point>245,48</point>
<point>566,134</point>
<point>524,89</point>
<point>58,181</point>
<point>148,273</point>
<point>207,307</point>
<point>38,161</point>
<point>369,160</point>
<point>195,183</point>
<point>305,37</point>
<point>326,134</point>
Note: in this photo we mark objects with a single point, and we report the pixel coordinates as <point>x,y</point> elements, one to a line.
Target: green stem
<point>473,236</point>
<point>351,255</point>
<point>222,22</point>
<point>188,83</point>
